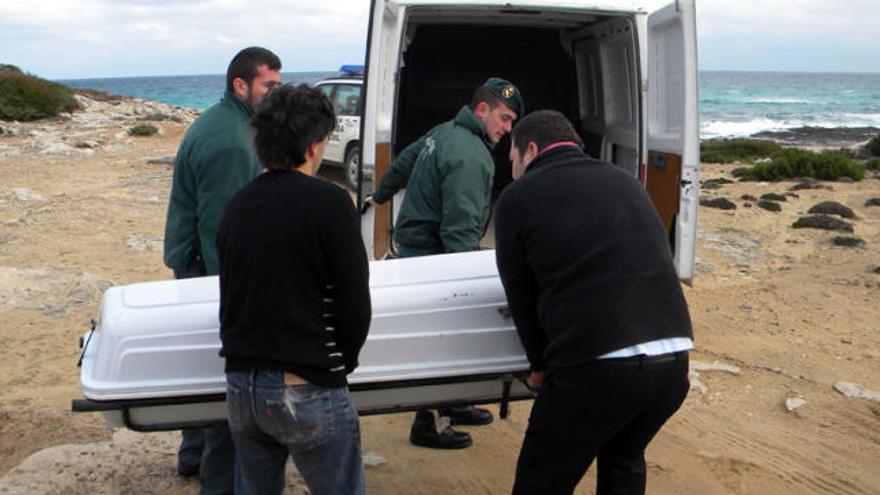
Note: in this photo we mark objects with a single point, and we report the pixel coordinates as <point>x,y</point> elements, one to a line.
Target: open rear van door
<point>383,47</point>
<point>672,168</point>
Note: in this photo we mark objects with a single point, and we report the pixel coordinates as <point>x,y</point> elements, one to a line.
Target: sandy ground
<point>779,314</point>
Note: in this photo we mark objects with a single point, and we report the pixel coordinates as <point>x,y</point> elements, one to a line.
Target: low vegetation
<point>873,164</point>
<point>720,203</point>
<point>848,241</point>
<point>28,97</point>
<point>769,205</point>
<point>736,150</point>
<point>161,117</point>
<point>823,222</point>
<point>773,197</point>
<point>832,208</point>
<point>143,130</point>
<point>873,146</point>
<point>793,163</point>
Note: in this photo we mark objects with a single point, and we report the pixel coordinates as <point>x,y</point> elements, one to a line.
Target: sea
<point>732,104</point>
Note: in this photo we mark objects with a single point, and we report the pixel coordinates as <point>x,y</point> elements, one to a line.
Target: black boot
<point>467,415</point>
<point>426,432</point>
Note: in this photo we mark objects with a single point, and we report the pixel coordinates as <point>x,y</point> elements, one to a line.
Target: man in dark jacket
<point>589,277</point>
<point>448,176</point>
<point>215,159</point>
<point>294,307</point>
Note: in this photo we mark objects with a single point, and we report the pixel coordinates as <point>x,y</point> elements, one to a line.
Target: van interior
<point>579,63</point>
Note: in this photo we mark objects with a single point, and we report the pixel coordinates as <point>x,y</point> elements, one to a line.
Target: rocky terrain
<point>785,376</point>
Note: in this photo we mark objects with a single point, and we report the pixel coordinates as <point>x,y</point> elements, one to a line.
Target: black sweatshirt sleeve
<point>348,269</point>
<point>519,281</point>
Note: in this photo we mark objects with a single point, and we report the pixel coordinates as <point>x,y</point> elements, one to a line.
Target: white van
<point>626,78</point>
<point>441,332</point>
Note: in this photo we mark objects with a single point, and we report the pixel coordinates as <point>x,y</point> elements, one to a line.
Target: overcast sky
<point>60,39</point>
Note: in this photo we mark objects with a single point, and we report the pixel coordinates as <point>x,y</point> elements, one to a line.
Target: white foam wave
<point>777,99</point>
<point>734,129</point>
<point>722,128</point>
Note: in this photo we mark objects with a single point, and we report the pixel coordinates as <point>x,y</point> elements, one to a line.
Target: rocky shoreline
<point>102,123</point>
<point>821,137</point>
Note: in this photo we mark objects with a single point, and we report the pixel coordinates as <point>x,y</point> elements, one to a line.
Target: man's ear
<point>532,149</point>
<point>481,109</point>
<point>240,87</point>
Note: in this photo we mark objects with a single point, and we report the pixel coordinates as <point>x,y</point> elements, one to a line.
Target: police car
<point>346,93</point>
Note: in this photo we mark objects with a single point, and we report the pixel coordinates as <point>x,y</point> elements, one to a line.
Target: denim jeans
<point>317,426</point>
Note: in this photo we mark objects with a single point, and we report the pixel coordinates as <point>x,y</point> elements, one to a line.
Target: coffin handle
<point>85,345</point>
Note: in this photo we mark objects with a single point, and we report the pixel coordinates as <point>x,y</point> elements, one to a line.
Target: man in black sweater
<point>294,306</point>
<point>586,265</point>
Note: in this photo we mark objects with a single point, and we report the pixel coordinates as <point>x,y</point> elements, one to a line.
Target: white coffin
<point>440,335</point>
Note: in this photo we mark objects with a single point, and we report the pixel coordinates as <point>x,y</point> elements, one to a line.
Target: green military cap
<point>506,92</point>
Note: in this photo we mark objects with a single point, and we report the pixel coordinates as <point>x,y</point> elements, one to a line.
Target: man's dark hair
<point>289,120</point>
<point>244,64</point>
<point>543,127</point>
<point>484,94</point>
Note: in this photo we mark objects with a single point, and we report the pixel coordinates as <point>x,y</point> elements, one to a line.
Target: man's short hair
<point>244,64</point>
<point>289,120</point>
<point>543,127</point>
<point>483,93</point>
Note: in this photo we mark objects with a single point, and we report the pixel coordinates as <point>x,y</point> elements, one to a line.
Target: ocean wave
<point>777,100</point>
<point>725,129</point>
<point>721,128</point>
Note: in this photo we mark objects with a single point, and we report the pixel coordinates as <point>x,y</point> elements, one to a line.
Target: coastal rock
<point>715,366</point>
<point>823,222</point>
<point>696,384</point>
<point>372,459</point>
<point>24,194</point>
<point>821,136</point>
<point>144,243</point>
<point>164,160</point>
<point>873,202</point>
<point>794,403</point>
<point>720,203</point>
<point>856,391</point>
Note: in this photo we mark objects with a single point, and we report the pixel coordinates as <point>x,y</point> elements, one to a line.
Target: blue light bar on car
<point>352,69</point>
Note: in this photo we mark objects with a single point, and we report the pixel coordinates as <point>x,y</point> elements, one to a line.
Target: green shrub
<point>791,163</point>
<point>143,130</point>
<point>873,146</point>
<point>161,117</point>
<point>27,97</point>
<point>731,150</point>
<point>873,164</point>
<point>773,197</point>
<point>847,241</point>
<point>720,203</point>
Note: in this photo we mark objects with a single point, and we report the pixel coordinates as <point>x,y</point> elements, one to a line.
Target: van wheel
<point>351,166</point>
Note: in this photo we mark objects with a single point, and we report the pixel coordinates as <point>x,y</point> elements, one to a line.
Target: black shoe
<point>188,471</point>
<point>424,434</point>
<point>467,415</point>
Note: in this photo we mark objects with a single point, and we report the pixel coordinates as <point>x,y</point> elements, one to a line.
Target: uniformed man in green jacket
<point>215,159</point>
<point>448,177</point>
